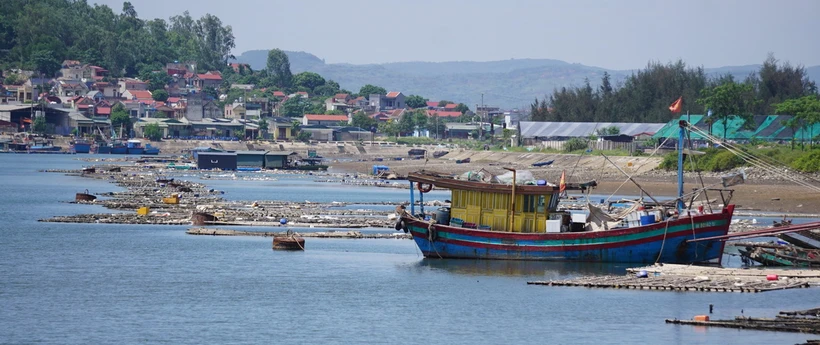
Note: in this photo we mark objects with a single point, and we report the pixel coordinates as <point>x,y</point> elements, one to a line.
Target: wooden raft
<point>676,283</point>
<point>802,321</point>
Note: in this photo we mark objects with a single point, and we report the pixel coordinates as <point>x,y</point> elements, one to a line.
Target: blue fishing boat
<point>489,220</point>
<point>43,149</point>
<point>103,148</point>
<point>118,148</point>
<point>150,150</point>
<point>135,147</point>
<point>80,145</point>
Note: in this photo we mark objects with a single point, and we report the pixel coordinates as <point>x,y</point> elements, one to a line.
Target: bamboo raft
<point>669,277</point>
<point>670,283</point>
<point>801,321</point>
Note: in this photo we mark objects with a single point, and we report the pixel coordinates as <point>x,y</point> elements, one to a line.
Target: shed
<point>216,160</point>
<point>252,159</point>
<point>275,160</point>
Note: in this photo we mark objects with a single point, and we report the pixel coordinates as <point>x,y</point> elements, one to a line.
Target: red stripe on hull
<point>726,214</point>
<point>580,247</point>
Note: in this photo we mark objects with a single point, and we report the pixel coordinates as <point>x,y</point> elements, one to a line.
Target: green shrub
<point>809,162</point>
<point>575,144</point>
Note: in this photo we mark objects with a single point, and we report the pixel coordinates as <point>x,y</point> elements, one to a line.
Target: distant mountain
<point>507,83</point>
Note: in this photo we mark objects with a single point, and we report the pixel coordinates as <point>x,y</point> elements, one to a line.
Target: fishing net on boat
<point>522,177</point>
<point>478,176</point>
<point>599,220</point>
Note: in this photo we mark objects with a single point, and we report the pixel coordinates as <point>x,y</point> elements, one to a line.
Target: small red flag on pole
<point>676,106</point>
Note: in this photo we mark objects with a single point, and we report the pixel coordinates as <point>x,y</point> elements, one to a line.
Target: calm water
<point>90,283</point>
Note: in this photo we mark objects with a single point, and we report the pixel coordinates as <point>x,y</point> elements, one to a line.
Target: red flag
<point>676,106</point>
<point>563,184</point>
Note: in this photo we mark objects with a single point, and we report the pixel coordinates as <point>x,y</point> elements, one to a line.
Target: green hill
<point>507,83</point>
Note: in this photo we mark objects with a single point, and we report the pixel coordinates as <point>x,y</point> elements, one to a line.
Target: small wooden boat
<point>84,197</point>
<point>541,164</point>
<point>770,254</point>
<point>89,170</point>
<point>202,218</point>
<point>290,241</point>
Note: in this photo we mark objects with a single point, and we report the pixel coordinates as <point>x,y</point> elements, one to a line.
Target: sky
<point>611,34</point>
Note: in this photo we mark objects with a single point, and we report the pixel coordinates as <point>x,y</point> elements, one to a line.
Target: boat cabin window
<point>534,203</point>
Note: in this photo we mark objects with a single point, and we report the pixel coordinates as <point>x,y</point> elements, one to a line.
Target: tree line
<point>645,95</point>
<point>39,35</point>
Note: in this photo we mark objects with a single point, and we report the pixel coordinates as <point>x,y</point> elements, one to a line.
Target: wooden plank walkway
<point>676,283</point>
<point>800,321</point>
<point>671,277</point>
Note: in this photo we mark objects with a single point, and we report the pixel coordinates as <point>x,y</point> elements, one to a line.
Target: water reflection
<point>519,268</point>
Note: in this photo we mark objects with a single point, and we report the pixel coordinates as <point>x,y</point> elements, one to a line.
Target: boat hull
<point>136,150</point>
<point>119,150</point>
<point>644,244</point>
<point>82,148</point>
<point>104,149</point>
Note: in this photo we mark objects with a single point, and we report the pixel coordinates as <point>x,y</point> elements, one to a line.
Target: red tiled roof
<point>450,106</point>
<point>392,94</point>
<point>302,93</point>
<point>443,113</point>
<point>341,96</point>
<point>173,99</point>
<point>209,76</point>
<point>278,94</point>
<point>83,106</point>
<point>104,111</point>
<point>140,94</point>
<point>159,104</point>
<point>318,117</point>
<point>432,104</point>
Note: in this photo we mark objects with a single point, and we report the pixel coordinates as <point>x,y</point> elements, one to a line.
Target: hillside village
<point>194,103</point>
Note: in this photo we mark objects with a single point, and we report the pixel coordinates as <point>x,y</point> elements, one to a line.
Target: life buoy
<point>425,188</point>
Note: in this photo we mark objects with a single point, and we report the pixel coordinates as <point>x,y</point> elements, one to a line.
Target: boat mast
<point>512,201</point>
<point>682,124</point>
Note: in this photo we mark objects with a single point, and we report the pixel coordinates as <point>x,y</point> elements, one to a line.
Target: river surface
<point>127,284</point>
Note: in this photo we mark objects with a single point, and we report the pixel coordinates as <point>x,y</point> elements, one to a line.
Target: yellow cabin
<point>492,210</point>
<point>487,206</point>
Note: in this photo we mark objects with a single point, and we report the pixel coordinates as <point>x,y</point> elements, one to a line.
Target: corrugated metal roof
<point>531,129</point>
<point>248,153</point>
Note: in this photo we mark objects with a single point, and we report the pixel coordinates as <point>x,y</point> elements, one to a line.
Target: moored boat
<point>135,147</point>
<point>80,145</point>
<point>288,242</point>
<point>494,220</point>
<point>43,149</point>
<point>150,150</point>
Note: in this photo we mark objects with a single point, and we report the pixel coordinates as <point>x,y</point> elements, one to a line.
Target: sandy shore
<point>758,195</point>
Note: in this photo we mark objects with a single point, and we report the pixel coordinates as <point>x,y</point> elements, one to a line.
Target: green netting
<point>767,127</point>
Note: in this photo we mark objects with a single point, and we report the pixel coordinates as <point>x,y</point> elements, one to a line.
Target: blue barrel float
<point>648,219</point>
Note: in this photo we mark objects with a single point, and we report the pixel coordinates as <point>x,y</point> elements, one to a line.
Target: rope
<point>757,161</point>
<point>636,174</point>
<point>664,240</point>
<point>430,238</point>
<point>692,219</point>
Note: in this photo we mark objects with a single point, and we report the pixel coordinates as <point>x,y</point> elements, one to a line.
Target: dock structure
<point>318,234</point>
<point>696,278</point>
<point>801,321</point>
